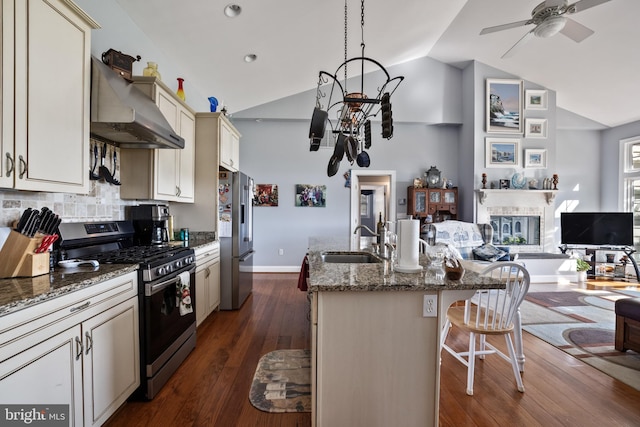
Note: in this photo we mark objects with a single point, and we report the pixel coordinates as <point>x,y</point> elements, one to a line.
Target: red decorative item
<point>180,91</point>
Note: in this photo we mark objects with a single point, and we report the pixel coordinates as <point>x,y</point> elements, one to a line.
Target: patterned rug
<point>282,382</point>
<point>582,323</point>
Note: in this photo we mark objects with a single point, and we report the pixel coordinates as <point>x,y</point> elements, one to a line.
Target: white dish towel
<point>184,294</point>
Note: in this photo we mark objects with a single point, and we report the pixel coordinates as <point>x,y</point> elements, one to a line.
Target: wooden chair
<point>490,312</point>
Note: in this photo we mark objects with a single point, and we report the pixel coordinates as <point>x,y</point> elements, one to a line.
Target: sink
<point>350,257</point>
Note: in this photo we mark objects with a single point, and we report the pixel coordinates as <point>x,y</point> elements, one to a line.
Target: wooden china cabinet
<point>432,204</point>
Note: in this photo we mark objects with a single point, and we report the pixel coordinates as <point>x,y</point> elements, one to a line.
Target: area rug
<point>282,382</point>
<point>582,323</point>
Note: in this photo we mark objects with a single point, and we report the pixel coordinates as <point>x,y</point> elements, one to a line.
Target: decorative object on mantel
<point>555,181</point>
<point>533,184</point>
<point>484,181</point>
<point>180,91</point>
<point>518,181</point>
<point>353,108</point>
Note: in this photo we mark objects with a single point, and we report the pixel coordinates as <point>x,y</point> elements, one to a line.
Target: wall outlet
<point>430,306</point>
<point>280,251</point>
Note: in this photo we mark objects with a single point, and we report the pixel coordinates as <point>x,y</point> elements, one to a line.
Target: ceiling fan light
<point>232,10</point>
<point>550,26</point>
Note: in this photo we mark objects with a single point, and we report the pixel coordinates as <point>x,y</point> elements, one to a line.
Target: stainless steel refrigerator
<point>235,227</point>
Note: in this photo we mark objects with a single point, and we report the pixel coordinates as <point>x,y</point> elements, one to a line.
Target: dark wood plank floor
<point>211,388</point>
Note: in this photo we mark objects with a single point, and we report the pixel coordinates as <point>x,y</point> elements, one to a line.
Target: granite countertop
<point>380,276</point>
<point>23,292</point>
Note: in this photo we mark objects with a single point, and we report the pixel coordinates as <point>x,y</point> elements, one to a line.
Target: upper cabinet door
<point>7,164</point>
<point>52,96</point>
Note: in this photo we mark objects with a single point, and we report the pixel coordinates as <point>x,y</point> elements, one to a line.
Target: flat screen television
<point>597,228</point>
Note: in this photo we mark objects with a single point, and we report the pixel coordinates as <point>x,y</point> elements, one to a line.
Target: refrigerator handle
<point>249,236</point>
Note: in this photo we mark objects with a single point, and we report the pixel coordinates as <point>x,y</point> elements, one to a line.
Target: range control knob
<point>161,271</point>
<point>178,263</point>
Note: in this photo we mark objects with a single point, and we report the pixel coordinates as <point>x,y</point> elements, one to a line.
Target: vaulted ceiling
<point>294,39</point>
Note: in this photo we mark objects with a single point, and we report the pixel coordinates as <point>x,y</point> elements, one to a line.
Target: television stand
<point>592,272</point>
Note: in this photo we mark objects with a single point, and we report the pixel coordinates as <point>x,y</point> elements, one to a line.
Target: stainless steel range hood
<point>123,115</point>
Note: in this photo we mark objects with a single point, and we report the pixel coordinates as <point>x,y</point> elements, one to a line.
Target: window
<point>631,182</point>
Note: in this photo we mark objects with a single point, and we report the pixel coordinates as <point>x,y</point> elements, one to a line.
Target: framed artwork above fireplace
<point>502,152</point>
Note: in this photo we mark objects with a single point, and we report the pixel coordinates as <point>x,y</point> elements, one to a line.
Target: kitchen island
<point>375,339</point>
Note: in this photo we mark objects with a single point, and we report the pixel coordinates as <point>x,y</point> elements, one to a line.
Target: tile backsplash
<point>103,203</point>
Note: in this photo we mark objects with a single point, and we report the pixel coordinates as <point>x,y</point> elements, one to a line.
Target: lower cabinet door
<point>49,373</point>
<point>111,367</point>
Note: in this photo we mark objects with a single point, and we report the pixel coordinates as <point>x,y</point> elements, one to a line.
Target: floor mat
<point>282,382</point>
<point>583,325</point>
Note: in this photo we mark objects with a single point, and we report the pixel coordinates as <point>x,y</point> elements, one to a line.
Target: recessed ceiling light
<point>250,57</point>
<point>232,10</point>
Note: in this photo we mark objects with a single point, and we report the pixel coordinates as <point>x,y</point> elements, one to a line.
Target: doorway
<point>372,193</point>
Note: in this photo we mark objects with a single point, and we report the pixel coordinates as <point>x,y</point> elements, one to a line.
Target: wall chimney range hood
<point>123,115</point>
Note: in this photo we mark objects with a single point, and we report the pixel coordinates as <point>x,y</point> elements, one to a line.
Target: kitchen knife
<point>24,218</point>
<point>32,217</point>
<point>35,224</point>
<point>47,218</point>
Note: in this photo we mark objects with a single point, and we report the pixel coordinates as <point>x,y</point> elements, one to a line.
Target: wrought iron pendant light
<point>348,113</point>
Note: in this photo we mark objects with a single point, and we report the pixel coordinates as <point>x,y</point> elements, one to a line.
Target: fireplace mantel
<point>483,194</point>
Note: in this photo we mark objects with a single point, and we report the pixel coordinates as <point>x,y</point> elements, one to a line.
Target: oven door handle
<point>151,289</point>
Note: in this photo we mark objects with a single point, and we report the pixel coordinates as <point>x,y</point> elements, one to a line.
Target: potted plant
<point>582,267</point>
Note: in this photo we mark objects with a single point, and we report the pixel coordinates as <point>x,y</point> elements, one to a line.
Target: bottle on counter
<point>380,231</point>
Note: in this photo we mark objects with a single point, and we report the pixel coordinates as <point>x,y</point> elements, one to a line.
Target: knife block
<point>18,257</point>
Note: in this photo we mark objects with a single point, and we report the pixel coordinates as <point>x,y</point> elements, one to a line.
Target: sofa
<point>472,241</point>
<point>627,335</point>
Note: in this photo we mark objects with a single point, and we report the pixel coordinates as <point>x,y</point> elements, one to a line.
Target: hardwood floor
<point>211,388</point>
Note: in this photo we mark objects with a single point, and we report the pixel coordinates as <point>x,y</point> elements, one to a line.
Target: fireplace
<point>521,219</point>
<point>515,230</point>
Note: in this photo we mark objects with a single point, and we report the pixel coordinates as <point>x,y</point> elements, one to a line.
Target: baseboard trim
<point>276,269</point>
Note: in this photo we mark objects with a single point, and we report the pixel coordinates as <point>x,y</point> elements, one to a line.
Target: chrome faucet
<point>384,248</point>
<point>366,228</point>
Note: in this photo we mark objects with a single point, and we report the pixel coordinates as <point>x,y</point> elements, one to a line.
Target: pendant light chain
<point>362,25</point>
<point>345,43</point>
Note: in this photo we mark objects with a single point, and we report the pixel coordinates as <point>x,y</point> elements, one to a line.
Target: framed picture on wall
<point>535,99</point>
<point>504,106</point>
<point>265,195</point>
<point>535,128</point>
<point>311,195</point>
<point>535,158</point>
<point>501,152</point>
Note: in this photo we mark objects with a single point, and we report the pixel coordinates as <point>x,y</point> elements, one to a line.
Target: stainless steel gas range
<point>167,325</point>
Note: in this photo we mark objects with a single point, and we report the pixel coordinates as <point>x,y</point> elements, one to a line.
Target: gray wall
<point>433,97</point>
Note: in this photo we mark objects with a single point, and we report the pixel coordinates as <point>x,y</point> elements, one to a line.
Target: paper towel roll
<point>408,247</point>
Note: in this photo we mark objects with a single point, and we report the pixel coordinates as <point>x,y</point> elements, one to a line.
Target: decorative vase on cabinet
<point>180,91</point>
<point>151,70</point>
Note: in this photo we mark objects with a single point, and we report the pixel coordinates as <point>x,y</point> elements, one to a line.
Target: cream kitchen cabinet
<point>229,145</point>
<point>211,129</point>
<point>162,174</point>
<point>45,93</point>
<point>207,280</point>
<point>80,349</point>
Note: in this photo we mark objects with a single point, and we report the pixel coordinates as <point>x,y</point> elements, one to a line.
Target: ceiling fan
<point>549,18</point>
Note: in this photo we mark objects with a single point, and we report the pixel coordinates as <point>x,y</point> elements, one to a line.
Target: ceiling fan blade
<point>506,26</point>
<point>554,3</point>
<point>576,31</point>
<point>581,5</point>
<point>518,45</point>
